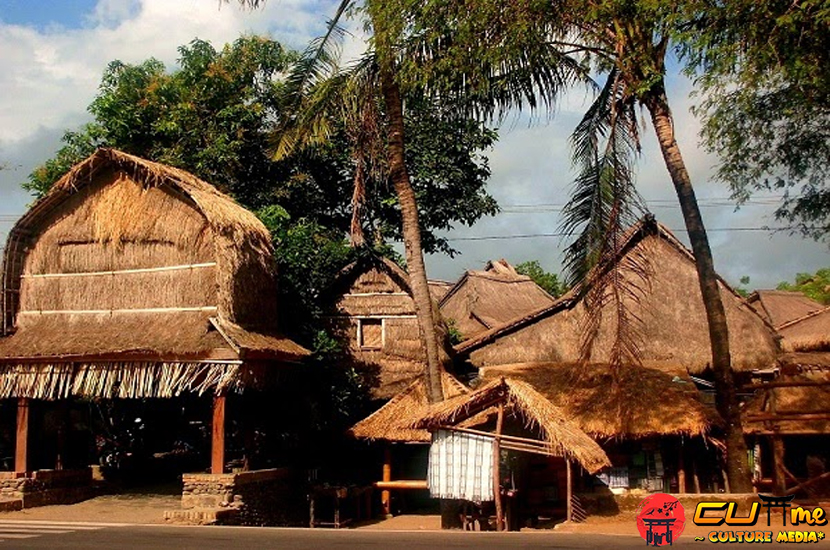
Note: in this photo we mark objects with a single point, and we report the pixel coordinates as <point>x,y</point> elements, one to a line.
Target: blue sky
<point>54,53</point>
<point>69,13</point>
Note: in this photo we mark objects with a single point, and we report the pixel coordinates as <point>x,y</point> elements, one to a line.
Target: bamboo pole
<point>681,470</point>
<point>217,449</point>
<point>21,451</point>
<point>779,476</point>
<point>496,468</point>
<point>119,272</point>
<point>404,484</point>
<point>385,495</point>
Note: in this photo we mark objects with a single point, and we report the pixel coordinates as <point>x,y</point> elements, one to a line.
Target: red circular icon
<point>660,519</point>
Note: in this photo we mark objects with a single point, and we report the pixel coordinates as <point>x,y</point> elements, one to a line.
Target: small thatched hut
<point>674,329</point>
<point>369,307</point>
<point>482,300</point>
<point>132,279</point>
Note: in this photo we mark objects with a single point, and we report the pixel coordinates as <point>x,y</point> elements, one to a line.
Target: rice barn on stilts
<point>135,280</point>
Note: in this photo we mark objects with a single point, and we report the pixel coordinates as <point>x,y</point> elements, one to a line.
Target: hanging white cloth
<point>460,466</point>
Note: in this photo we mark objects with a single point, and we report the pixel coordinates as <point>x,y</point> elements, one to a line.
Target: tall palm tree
<point>316,60</point>
<point>499,56</point>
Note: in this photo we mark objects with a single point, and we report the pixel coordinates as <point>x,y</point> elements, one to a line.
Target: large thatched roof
<point>393,421</point>
<point>674,328</point>
<point>481,300</point>
<point>127,260</point>
<point>640,402</point>
<point>562,435</point>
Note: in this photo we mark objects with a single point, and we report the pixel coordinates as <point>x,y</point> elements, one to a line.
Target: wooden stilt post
<point>217,449</point>
<point>21,452</point>
<point>385,495</point>
<point>779,478</point>
<point>496,472</point>
<point>695,476</point>
<point>681,470</point>
<point>570,492</point>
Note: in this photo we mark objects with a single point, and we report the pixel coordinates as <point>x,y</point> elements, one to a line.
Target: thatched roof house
<point>135,279</point>
<point>522,402</point>
<point>675,333</point>
<point>482,300</point>
<point>635,403</point>
<point>797,409</point>
<point>393,421</point>
<point>369,307</point>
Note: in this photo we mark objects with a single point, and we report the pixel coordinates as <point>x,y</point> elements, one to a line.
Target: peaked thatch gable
<point>127,261</point>
<point>783,306</point>
<point>393,421</point>
<point>521,400</point>
<point>675,333</point>
<point>481,300</point>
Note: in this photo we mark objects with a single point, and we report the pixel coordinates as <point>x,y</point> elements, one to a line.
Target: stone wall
<point>261,497</point>
<point>45,487</point>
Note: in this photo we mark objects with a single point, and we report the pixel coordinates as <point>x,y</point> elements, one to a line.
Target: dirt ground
<point>148,506</point>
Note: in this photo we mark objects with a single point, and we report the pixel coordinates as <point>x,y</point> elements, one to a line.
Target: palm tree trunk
<point>737,464</point>
<point>411,230</point>
<point>356,237</point>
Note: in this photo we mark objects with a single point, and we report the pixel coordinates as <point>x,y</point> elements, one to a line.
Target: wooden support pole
<point>21,451</point>
<point>385,495</point>
<point>496,472</point>
<point>217,449</point>
<point>681,470</point>
<point>779,478</point>
<point>570,492</point>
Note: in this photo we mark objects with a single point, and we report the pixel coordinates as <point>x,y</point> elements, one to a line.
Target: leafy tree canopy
<point>766,101</point>
<point>814,285</point>
<point>215,116</point>
<point>548,281</point>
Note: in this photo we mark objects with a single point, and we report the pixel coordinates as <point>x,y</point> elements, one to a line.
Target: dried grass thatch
<point>481,300</point>
<point>393,421</point>
<point>118,218</point>
<point>135,279</point>
<point>782,306</point>
<point>808,333</point>
<point>375,288</point>
<point>642,402</point>
<point>438,289</point>
<point>562,435</point>
<point>674,327</point>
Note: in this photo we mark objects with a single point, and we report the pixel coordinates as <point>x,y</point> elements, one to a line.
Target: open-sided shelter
<point>482,300</point>
<point>132,279</point>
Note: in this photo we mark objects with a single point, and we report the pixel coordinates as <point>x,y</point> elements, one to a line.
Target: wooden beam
<point>217,448</point>
<point>21,451</point>
<point>804,485</point>
<point>385,495</point>
<point>496,470</point>
<point>794,384</point>
<point>403,484</point>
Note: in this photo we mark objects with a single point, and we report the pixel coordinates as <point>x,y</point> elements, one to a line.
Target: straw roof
<point>779,409</point>
<point>481,300</point>
<point>673,320</point>
<point>438,289</point>
<point>393,421</point>
<point>562,435</point>
<point>642,402</point>
<point>127,260</point>
<point>783,306</point>
<point>808,333</point>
